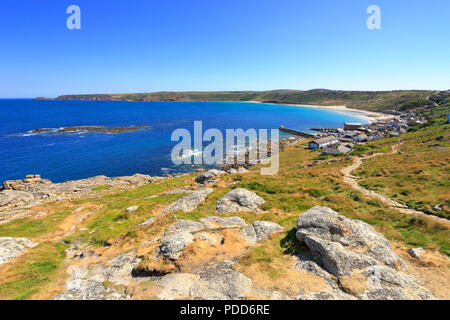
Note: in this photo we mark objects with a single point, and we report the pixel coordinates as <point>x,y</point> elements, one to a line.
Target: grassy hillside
<point>441,104</point>
<point>419,175</point>
<point>367,100</point>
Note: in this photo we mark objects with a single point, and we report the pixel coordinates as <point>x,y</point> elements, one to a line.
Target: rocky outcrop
<point>15,197</point>
<point>189,202</point>
<point>225,222</point>
<point>344,259</point>
<point>176,285</point>
<point>11,248</point>
<point>221,284</point>
<point>31,180</point>
<point>416,252</point>
<point>34,190</point>
<point>147,222</point>
<point>339,241</point>
<point>186,225</point>
<point>259,231</point>
<point>81,287</point>
<point>212,238</point>
<point>173,244</point>
<point>208,176</point>
<point>88,282</point>
<point>265,229</point>
<point>217,282</point>
<point>121,267</point>
<point>132,209</point>
<point>216,279</point>
<point>239,199</point>
<point>232,170</point>
<point>183,232</point>
<point>355,255</point>
<point>96,129</point>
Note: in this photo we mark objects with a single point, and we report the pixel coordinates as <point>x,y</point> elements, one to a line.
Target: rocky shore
<point>17,196</point>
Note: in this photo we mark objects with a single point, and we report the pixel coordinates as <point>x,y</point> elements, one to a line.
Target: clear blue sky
<point>153,45</point>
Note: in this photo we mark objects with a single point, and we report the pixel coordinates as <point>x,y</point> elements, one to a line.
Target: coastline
<point>366,115</point>
<point>370,116</point>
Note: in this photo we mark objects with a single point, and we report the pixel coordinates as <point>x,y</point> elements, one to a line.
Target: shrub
<point>354,196</point>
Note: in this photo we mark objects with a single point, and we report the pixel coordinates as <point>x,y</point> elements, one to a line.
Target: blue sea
<point>70,156</point>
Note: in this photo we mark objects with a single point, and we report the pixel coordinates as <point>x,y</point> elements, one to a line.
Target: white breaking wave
<point>190,153</point>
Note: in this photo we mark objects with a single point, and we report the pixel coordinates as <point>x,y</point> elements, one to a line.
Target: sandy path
<point>352,181</point>
<point>66,228</point>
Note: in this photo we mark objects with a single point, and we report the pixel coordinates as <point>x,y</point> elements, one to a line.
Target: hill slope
<point>95,236</point>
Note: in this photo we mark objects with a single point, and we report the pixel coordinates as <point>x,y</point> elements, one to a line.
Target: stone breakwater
<point>263,152</point>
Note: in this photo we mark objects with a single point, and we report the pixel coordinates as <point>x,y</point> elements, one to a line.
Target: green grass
<point>31,228</point>
<point>420,176</point>
<point>265,257</point>
<point>113,222</point>
<point>28,274</point>
<point>100,188</point>
<point>377,146</point>
<point>267,188</point>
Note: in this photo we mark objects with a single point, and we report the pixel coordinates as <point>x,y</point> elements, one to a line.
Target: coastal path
<point>352,181</point>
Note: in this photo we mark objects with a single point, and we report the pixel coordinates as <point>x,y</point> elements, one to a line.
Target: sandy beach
<point>362,114</point>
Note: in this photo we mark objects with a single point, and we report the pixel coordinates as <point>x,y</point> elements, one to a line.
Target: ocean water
<point>69,156</point>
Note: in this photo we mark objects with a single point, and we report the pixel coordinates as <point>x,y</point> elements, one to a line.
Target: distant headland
<point>379,101</point>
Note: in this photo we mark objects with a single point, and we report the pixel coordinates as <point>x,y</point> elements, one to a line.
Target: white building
<point>323,142</point>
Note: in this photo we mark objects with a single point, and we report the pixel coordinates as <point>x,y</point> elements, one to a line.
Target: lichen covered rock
<point>239,199</point>
<point>355,255</point>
